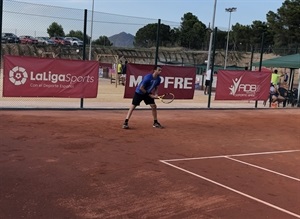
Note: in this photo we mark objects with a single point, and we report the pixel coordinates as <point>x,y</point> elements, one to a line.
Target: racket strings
<point>167,98</point>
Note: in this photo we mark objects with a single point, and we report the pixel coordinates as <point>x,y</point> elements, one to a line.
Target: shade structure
<point>289,61</point>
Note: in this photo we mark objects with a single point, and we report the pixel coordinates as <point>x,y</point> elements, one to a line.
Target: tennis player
<point>143,92</point>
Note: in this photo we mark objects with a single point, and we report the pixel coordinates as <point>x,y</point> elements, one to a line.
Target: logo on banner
<point>234,87</point>
<point>18,75</point>
<point>240,89</point>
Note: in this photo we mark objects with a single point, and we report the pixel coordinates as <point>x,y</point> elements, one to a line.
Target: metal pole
<point>1,20</point>
<point>157,41</point>
<point>261,50</point>
<point>211,36</point>
<point>84,35</point>
<point>298,102</point>
<point>84,47</point>
<point>212,68</point>
<point>92,21</point>
<point>228,10</point>
<point>251,59</point>
<point>261,57</point>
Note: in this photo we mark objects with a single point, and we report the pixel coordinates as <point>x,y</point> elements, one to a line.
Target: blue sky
<point>173,10</point>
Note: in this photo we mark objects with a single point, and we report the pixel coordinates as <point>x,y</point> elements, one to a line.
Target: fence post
<point>212,66</point>
<point>84,45</point>
<point>261,57</point>
<point>157,41</point>
<point>1,19</point>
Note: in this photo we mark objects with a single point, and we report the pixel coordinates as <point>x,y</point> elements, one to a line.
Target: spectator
<point>124,70</point>
<point>275,96</point>
<point>285,77</point>
<point>207,80</point>
<point>119,70</point>
<point>275,78</point>
<point>100,71</point>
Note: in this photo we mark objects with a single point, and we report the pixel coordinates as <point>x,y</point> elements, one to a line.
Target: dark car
<point>9,38</point>
<point>28,40</point>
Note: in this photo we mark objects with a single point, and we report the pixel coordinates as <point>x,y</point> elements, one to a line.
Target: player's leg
<point>156,124</point>
<point>151,102</point>
<point>206,86</point>
<point>129,113</point>
<point>154,111</point>
<point>137,99</point>
<point>132,107</point>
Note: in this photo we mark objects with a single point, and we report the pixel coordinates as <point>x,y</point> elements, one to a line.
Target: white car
<point>74,41</point>
<point>45,41</point>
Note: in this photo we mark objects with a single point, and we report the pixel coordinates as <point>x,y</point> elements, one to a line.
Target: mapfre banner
<point>178,80</point>
<point>41,77</point>
<point>242,85</point>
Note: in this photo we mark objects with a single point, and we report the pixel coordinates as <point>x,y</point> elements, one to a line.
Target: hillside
<point>122,40</point>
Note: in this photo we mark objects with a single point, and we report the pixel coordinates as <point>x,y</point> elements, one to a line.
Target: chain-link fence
<point>24,19</point>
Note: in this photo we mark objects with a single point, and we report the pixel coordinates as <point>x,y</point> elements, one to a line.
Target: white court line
<point>234,190</point>
<point>232,155</point>
<point>268,170</point>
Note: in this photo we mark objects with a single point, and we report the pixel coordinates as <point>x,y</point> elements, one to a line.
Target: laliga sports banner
<point>242,85</point>
<point>178,80</point>
<point>41,77</point>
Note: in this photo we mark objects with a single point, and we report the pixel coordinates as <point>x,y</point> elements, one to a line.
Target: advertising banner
<point>242,85</point>
<point>178,80</point>
<point>42,77</point>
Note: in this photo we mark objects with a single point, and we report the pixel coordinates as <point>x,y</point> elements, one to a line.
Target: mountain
<point>122,40</point>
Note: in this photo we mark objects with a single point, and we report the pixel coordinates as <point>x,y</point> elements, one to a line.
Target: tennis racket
<point>166,98</point>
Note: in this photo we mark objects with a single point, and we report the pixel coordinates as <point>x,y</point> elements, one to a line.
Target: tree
<point>174,36</point>
<point>192,31</point>
<point>285,24</point>
<point>258,28</point>
<point>240,36</point>
<point>221,40</point>
<point>55,30</point>
<point>190,34</point>
<point>146,36</point>
<point>76,33</point>
<point>102,41</point>
<point>250,36</point>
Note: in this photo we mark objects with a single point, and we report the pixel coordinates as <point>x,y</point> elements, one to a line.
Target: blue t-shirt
<point>149,83</point>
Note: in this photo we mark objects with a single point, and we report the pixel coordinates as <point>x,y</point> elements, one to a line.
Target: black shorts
<point>207,82</point>
<point>138,98</point>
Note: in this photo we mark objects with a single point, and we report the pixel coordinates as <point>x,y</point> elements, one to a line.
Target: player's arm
<point>142,88</point>
<point>155,95</point>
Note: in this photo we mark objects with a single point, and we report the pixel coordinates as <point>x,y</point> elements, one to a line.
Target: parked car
<point>9,38</point>
<point>61,41</point>
<point>45,41</point>
<point>28,39</point>
<point>74,41</point>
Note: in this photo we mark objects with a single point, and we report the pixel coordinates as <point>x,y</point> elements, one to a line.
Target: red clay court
<point>204,164</point>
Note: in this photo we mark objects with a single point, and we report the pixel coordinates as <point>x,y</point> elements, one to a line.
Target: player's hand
<point>154,96</point>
